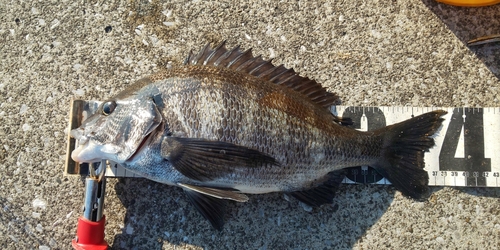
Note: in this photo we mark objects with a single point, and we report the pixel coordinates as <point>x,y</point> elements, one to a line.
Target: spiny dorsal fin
<point>244,61</point>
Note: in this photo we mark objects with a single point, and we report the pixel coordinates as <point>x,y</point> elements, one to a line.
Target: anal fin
<point>322,194</point>
<point>216,192</point>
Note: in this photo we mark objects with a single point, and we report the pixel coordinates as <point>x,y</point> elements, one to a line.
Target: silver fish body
<point>228,123</point>
<point>215,109</point>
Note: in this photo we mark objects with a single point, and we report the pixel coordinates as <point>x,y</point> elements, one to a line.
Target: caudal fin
<point>404,144</point>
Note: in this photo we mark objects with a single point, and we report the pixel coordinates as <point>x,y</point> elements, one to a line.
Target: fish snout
<point>79,134</point>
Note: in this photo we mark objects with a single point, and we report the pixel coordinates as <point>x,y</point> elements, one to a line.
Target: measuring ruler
<point>467,151</point>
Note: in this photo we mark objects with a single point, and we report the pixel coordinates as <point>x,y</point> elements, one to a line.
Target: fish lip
<point>78,149</point>
<point>83,142</point>
<point>77,153</point>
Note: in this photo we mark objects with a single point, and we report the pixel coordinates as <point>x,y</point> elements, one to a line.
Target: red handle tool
<point>90,230</point>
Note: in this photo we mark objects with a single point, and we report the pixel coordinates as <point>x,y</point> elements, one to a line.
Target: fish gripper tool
<point>90,230</point>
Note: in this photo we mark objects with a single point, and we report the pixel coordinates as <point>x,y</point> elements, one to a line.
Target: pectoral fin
<point>205,160</point>
<point>216,193</point>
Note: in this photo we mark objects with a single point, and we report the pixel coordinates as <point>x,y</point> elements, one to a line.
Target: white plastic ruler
<point>467,151</point>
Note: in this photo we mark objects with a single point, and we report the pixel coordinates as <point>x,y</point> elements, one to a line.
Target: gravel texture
<point>371,52</point>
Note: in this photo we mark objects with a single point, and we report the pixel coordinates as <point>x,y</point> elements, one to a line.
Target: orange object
<point>470,3</point>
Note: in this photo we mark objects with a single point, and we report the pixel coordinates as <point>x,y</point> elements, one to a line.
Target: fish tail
<point>404,145</point>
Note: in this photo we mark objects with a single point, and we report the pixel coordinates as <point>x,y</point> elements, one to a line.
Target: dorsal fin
<point>244,61</point>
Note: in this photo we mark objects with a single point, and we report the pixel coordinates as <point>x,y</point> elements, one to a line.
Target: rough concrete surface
<point>371,52</point>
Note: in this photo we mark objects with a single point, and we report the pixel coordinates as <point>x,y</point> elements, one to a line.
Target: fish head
<point>116,131</point>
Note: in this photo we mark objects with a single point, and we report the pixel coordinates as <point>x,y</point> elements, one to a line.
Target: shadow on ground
<point>468,23</point>
<point>492,192</point>
<point>159,215</point>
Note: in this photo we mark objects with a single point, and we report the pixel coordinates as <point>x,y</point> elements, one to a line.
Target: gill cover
<point>117,130</point>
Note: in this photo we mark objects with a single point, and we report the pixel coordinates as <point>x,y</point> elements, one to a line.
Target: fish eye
<point>108,107</point>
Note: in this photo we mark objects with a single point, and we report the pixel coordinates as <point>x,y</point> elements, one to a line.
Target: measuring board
<point>467,151</point>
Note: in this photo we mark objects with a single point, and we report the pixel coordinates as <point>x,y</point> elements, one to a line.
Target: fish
<point>227,124</point>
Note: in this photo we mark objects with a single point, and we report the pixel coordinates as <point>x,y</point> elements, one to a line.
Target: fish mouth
<point>83,152</point>
<point>89,151</point>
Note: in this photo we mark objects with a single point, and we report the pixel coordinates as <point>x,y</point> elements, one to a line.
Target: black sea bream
<point>228,123</point>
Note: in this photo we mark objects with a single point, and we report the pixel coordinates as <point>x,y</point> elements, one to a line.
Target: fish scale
<point>262,123</point>
<point>228,123</point>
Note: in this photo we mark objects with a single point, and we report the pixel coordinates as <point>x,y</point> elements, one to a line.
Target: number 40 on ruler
<point>467,151</point>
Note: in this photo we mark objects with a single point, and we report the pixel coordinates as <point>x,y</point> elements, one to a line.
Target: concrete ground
<point>394,53</point>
